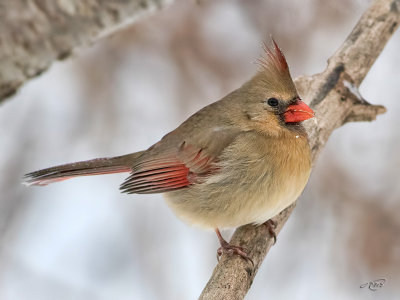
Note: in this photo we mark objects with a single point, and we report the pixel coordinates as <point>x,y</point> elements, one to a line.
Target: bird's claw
<point>271,226</point>
<point>232,249</point>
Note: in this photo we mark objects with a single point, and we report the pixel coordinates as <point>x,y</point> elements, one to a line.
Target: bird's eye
<point>273,102</point>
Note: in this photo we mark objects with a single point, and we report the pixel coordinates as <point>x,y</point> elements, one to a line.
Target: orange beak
<point>298,112</point>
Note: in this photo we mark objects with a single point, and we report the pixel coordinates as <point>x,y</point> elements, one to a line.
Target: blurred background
<point>82,239</point>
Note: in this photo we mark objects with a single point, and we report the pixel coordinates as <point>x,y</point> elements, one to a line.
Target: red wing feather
<point>171,171</point>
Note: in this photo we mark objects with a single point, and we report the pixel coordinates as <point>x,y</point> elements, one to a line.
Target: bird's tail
<point>98,166</point>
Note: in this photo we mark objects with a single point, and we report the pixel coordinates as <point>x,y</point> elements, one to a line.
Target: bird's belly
<point>231,205</point>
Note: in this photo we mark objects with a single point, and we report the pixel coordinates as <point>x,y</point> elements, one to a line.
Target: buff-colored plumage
<point>262,166</point>
<point>236,161</point>
<point>256,181</point>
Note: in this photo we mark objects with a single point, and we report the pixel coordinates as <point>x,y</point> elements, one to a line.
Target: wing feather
<point>170,170</point>
<point>176,162</point>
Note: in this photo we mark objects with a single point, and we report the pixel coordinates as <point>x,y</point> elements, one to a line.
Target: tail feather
<point>98,166</point>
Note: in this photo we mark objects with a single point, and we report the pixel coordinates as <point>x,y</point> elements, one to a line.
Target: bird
<point>240,160</point>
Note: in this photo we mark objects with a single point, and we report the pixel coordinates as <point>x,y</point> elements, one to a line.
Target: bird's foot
<point>271,226</point>
<point>229,249</point>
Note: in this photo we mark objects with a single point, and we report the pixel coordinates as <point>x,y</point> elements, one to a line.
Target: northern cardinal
<point>240,160</point>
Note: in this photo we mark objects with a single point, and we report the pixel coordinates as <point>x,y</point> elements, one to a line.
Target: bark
<point>34,33</point>
<point>334,96</point>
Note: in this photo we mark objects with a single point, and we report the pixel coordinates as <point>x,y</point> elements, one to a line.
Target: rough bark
<point>334,96</point>
<point>34,33</point>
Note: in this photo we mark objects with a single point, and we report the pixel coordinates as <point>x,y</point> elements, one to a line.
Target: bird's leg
<point>271,225</point>
<point>230,249</point>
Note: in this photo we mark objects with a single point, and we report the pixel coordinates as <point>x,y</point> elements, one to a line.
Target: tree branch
<point>34,33</point>
<point>334,96</point>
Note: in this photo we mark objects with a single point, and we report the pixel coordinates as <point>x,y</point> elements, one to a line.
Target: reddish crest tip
<point>274,58</point>
<point>274,71</point>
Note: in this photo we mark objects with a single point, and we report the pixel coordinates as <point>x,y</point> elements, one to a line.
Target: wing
<point>163,169</point>
<point>172,170</point>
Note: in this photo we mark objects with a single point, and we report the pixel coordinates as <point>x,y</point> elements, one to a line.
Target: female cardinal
<point>240,160</point>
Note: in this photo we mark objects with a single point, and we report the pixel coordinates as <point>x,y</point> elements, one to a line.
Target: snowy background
<point>82,239</point>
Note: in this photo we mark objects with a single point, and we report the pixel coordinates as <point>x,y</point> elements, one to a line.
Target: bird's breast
<point>256,179</point>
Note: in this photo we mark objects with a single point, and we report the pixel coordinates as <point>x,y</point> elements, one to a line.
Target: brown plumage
<point>240,160</point>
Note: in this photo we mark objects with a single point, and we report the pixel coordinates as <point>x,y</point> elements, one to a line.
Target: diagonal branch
<point>34,33</point>
<point>334,96</point>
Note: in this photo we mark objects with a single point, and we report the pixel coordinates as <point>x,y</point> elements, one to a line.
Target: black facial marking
<point>295,100</point>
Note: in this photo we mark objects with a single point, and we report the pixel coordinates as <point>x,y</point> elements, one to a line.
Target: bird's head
<point>271,100</point>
